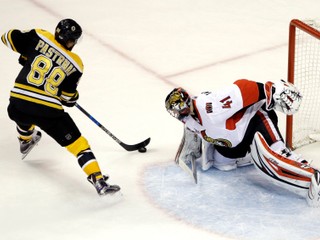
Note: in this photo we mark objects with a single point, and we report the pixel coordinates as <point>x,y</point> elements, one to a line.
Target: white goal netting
<point>306,76</point>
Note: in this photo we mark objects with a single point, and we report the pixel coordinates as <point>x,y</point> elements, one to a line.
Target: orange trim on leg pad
<point>282,171</point>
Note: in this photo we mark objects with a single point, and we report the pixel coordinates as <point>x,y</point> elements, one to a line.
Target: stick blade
<point>135,147</point>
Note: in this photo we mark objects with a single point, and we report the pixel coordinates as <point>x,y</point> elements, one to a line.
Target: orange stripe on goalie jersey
<point>249,91</point>
<point>268,92</point>
<point>231,122</point>
<point>288,161</point>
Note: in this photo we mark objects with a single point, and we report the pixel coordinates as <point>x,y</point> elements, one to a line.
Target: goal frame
<point>294,24</point>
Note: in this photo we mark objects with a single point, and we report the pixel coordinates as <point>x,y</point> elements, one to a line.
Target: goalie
<point>238,126</point>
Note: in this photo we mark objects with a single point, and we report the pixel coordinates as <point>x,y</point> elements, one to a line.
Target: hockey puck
<point>142,149</point>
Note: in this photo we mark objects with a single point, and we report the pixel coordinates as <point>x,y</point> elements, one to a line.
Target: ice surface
<point>239,204</point>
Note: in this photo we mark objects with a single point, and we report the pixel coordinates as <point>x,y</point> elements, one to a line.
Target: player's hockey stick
<point>127,147</point>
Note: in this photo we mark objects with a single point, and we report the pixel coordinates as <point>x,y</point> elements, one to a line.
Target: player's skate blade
<point>26,147</point>
<point>101,185</point>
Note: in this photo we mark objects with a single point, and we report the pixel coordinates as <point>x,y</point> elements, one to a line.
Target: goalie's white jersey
<point>222,117</point>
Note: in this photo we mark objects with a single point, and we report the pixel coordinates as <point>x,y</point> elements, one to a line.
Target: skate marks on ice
<point>237,204</point>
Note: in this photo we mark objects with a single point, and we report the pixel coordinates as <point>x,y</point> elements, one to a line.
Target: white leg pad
<point>188,151</point>
<point>207,155</point>
<point>287,173</point>
<point>189,148</point>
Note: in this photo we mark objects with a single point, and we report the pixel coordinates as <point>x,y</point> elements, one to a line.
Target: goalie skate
<point>313,197</point>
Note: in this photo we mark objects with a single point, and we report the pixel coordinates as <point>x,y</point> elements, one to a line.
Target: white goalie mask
<point>178,103</point>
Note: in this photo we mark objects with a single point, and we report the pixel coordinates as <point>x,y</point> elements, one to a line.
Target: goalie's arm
<point>281,95</point>
<point>251,91</point>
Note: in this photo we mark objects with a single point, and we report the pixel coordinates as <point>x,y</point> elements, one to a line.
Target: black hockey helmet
<point>67,30</point>
<point>178,103</point>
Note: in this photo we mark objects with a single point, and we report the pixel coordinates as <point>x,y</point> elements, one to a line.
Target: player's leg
<point>87,161</point>
<point>66,133</point>
<point>276,162</point>
<point>28,136</point>
<point>286,170</point>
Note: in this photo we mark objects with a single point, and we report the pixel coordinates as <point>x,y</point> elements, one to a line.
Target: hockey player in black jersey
<point>47,81</point>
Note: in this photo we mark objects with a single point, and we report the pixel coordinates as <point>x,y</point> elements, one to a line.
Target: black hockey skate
<point>26,146</point>
<point>101,185</point>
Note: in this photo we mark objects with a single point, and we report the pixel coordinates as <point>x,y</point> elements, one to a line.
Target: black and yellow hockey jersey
<point>50,73</point>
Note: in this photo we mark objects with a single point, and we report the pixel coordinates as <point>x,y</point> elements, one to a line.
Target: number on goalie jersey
<point>238,126</point>
<point>47,81</point>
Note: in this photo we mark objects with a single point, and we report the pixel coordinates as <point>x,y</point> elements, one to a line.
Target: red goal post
<point>304,71</point>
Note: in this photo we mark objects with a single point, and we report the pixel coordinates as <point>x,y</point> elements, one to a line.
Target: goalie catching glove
<point>283,96</point>
<point>69,100</point>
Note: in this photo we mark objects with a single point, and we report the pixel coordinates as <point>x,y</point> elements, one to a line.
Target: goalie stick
<point>192,169</point>
<point>127,147</point>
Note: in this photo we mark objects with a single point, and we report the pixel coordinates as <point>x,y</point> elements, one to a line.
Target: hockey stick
<point>127,147</point>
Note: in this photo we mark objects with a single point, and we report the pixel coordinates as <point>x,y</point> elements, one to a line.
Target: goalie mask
<point>178,103</point>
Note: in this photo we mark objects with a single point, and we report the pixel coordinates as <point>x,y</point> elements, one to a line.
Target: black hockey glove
<point>22,60</point>
<point>72,101</point>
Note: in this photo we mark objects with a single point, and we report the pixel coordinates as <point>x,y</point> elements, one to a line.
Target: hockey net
<point>304,71</point>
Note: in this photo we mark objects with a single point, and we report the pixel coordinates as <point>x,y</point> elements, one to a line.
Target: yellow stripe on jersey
<point>6,39</point>
<point>3,39</point>
<point>70,95</point>
<point>35,90</point>
<point>72,57</point>
<point>35,95</point>
<point>35,100</point>
<point>67,96</point>
<point>10,41</point>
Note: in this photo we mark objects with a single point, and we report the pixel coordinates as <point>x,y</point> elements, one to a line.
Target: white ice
<point>135,52</point>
